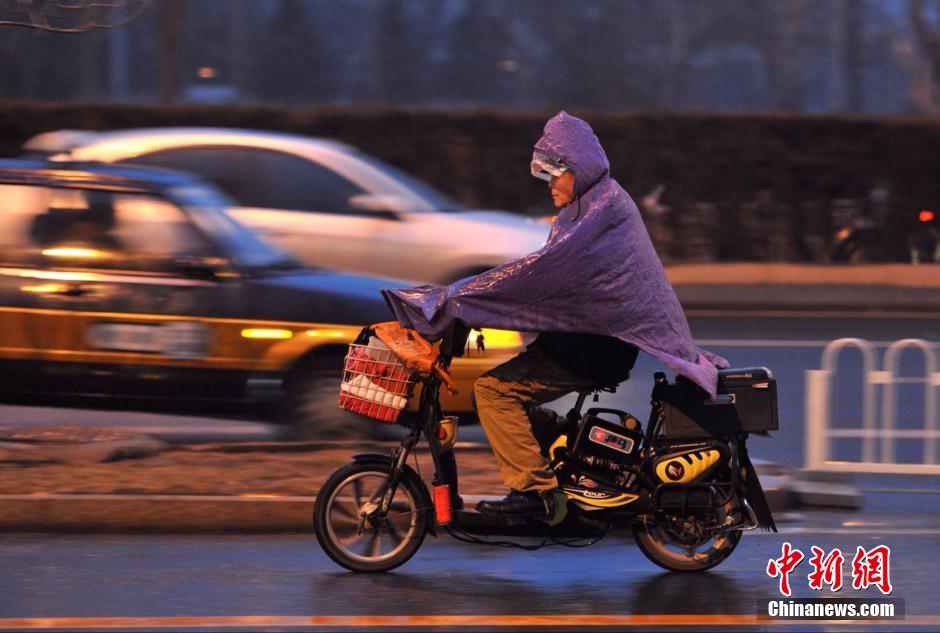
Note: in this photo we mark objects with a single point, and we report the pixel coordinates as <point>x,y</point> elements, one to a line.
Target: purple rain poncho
<point>597,274</point>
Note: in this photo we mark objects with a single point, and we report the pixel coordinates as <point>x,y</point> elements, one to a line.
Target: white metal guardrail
<point>878,428</point>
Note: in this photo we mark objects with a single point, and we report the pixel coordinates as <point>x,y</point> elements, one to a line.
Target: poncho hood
<point>598,273</point>
<point>572,141</point>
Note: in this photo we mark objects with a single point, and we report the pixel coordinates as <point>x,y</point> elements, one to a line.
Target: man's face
<point>562,188</point>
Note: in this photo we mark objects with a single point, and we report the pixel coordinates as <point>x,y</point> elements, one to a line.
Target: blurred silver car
<point>327,203</point>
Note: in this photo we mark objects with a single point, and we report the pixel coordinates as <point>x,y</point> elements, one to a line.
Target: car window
<point>262,178</point>
<point>20,206</point>
<point>156,228</point>
<point>437,200</point>
<point>89,228</point>
<point>230,169</point>
<point>207,211</point>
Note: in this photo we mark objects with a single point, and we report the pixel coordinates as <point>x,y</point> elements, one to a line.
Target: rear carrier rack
<point>375,383</point>
<point>746,403</point>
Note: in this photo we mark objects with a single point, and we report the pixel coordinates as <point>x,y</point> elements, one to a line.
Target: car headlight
<point>266,333</point>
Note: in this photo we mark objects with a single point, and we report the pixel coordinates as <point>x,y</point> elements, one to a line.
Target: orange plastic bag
<point>414,350</point>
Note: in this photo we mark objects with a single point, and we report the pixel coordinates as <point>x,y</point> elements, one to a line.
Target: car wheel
<point>312,406</point>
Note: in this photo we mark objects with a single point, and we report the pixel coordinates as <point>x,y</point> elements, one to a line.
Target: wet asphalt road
<point>49,576</point>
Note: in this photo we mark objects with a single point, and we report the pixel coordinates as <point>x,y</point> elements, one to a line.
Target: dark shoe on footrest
<point>516,502</point>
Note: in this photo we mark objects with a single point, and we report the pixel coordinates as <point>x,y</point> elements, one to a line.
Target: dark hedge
<point>739,186</point>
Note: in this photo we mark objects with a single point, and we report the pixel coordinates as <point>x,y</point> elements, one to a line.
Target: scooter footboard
<point>480,524</point>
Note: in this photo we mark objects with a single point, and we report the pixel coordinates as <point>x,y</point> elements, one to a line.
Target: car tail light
<point>926,215</point>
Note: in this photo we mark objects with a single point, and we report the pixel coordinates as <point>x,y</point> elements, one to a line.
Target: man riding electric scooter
<point>596,293</point>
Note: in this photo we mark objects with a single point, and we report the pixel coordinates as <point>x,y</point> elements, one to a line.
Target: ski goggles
<point>544,167</point>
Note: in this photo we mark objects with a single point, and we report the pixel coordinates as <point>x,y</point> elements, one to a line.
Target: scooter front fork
<point>399,457</point>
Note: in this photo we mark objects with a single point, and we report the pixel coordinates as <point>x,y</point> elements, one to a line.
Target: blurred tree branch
<point>924,93</point>
<point>170,19</point>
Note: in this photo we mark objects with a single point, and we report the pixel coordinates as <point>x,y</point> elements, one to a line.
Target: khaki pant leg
<point>505,396</point>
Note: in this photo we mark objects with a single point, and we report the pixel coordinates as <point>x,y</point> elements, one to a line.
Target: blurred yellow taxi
<point>131,287</point>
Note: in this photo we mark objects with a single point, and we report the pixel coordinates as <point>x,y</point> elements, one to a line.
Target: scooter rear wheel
<point>661,548</point>
<point>353,540</point>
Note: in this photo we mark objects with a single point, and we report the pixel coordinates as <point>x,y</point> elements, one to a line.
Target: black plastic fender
<point>409,473</point>
<point>756,498</point>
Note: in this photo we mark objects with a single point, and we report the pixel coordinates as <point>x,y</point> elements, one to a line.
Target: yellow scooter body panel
<point>686,466</point>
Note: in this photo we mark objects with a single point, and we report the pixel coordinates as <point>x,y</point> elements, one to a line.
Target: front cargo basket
<point>375,383</point>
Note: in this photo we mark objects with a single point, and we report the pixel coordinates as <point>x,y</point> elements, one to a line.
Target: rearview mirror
<point>387,205</point>
<point>199,267</point>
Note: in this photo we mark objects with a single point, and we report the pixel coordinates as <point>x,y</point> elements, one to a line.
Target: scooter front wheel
<point>348,531</point>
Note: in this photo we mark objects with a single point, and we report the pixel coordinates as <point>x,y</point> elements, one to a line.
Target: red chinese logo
<point>872,568</point>
<point>783,566</point>
<point>827,570</point>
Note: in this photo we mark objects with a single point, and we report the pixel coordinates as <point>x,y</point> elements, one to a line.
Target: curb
<point>162,514</point>
<point>108,451</point>
<point>808,297</point>
<point>827,490</point>
<point>190,514</point>
<point>779,495</point>
<point>309,446</point>
<point>232,514</point>
<point>762,287</point>
<point>806,274</point>
<point>810,493</point>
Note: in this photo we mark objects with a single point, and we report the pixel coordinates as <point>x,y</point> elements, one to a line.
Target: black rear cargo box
<point>746,403</point>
